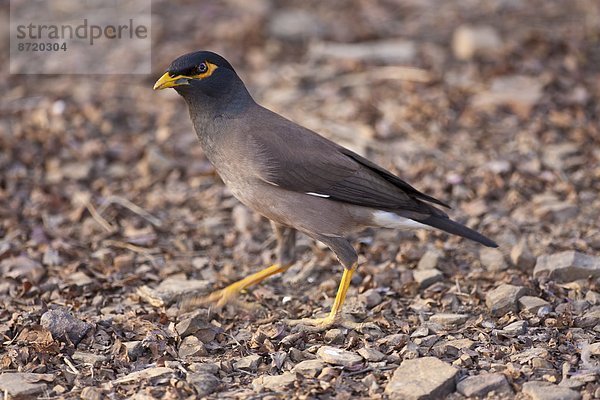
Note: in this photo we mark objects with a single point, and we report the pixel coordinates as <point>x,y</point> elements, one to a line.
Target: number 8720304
<point>34,46</point>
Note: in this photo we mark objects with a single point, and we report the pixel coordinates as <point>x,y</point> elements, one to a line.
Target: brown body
<point>296,178</point>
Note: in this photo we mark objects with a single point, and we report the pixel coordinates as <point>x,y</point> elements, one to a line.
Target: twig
<point>134,208</point>
<point>245,372</point>
<point>146,253</point>
<point>98,218</point>
<point>71,366</point>
<point>136,249</point>
<point>457,283</point>
<point>369,369</point>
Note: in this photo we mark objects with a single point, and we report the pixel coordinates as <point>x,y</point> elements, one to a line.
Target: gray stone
<point>575,307</point>
<point>588,374</point>
<point>469,40</point>
<point>428,341</point>
<point>571,383</point>
<point>22,268</point>
<point>89,358</point>
<point>538,390</point>
<point>275,383</point>
<point>590,318</point>
<point>540,363</point>
<point>481,385</point>
<point>461,343</point>
<point>453,346</point>
<point>532,304</point>
<point>370,382</point>
<point>544,311</point>
<point>309,368</point>
<point>134,349</point>
<point>335,356</point>
<point>172,289</point>
<point>529,354</point>
<point>23,384</point>
<point>504,298</point>
<point>65,326</point>
<point>250,362</point>
<point>513,329</point>
<point>90,393</point>
<point>278,358</point>
<point>427,277</point>
<point>449,320</point>
<point>191,346</point>
<point>145,374</point>
<point>370,298</point>
<point>204,368</point>
<point>395,340</point>
<point>334,336</point>
<point>422,378</point>
<point>492,259</point>
<point>193,324</point>
<point>371,354</point>
<point>429,260</point>
<point>410,351</point>
<point>567,266</point>
<point>521,256</point>
<point>592,297</point>
<point>420,331</point>
<point>204,383</point>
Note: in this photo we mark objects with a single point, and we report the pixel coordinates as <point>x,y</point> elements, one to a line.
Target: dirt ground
<point>109,211</point>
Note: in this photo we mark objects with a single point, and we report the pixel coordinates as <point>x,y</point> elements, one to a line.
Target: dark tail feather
<point>447,225</point>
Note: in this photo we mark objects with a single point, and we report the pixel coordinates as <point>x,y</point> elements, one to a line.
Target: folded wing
<point>303,161</point>
<point>299,160</point>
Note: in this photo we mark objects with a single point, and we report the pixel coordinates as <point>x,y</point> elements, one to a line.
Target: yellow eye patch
<point>210,68</point>
<point>170,79</point>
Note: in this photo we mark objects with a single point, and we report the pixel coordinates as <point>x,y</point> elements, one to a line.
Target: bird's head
<point>201,73</point>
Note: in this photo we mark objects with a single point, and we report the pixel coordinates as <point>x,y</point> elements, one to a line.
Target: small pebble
<point>64,326</point>
<point>335,356</point>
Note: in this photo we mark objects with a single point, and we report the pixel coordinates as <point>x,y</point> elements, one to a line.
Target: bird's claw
<point>217,300</point>
<point>325,323</point>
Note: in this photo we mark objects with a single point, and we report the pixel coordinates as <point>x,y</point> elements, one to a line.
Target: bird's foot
<point>330,321</point>
<point>217,300</point>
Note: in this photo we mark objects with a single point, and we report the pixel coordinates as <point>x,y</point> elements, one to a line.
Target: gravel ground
<point>109,211</point>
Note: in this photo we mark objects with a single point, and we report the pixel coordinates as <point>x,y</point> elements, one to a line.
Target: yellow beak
<point>168,81</point>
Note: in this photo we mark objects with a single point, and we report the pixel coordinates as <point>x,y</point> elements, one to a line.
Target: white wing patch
<point>270,183</point>
<point>387,219</point>
<point>318,194</point>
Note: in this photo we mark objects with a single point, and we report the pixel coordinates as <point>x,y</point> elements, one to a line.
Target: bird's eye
<point>202,68</point>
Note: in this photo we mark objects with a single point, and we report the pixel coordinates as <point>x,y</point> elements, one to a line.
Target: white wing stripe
<point>318,194</point>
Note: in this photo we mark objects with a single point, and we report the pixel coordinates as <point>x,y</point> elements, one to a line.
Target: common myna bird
<point>296,178</point>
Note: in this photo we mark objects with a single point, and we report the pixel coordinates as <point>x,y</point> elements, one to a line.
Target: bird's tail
<point>446,224</point>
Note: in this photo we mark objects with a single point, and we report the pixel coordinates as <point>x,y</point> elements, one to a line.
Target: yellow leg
<point>335,317</point>
<point>223,296</point>
<point>340,296</point>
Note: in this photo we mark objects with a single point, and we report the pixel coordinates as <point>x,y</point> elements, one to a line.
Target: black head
<point>201,71</point>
